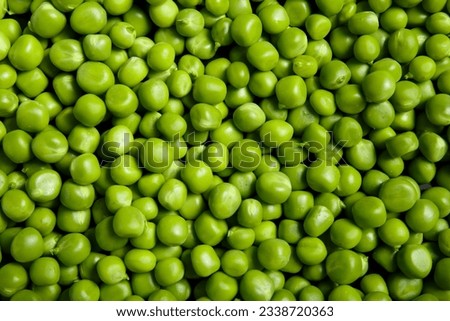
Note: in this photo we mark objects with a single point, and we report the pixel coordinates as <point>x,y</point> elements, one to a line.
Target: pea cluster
<point>224,150</point>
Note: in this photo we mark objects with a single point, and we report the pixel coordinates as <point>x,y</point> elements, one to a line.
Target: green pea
<point>172,230</point>
<point>334,75</point>
<point>205,117</point>
<point>49,146</point>
<point>318,220</point>
<point>15,279</point>
<point>345,234</point>
<point>373,283</point>
<point>209,229</point>
<point>263,55</point>
<point>402,287</point>
<point>17,146</point>
<point>329,9</point>
<point>414,261</point>
<point>172,194</point>
<point>246,29</point>
<point>317,26</point>
<point>75,196</point>
<point>117,60</point>
<point>42,219</point>
<point>26,53</point>
<point>95,77</point>
<point>67,55</point>
<point>208,89</point>
<point>399,194</point>
<point>439,196</point>
<point>128,222</point>
<point>17,205</point>
<point>84,290</point>
<point>224,200</point>
<point>44,271</point>
<point>111,269</point>
<point>256,285</point>
<point>344,266</point>
<point>394,232</point>
<point>363,23</point>
<point>88,18</point>
<point>72,249</point>
<point>311,250</point>
<point>383,81</point>
<point>27,245</point>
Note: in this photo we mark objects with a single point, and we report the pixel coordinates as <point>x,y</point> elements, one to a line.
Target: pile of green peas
<point>224,150</point>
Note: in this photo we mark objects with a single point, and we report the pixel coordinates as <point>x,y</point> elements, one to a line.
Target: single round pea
<point>44,271</point>
<point>26,53</point>
<point>256,285</point>
<point>75,196</point>
<point>366,48</point>
<point>383,81</point>
<point>423,216</point>
<point>172,230</point>
<point>311,250</point>
<point>88,18</point>
<point>15,279</point>
<point>204,260</point>
<point>209,89</point>
<point>394,232</point>
<point>17,205</point>
<point>402,287</point>
<point>263,55</point>
<point>269,182</point>
<point>399,194</point>
<point>291,91</point>
<point>344,266</point>
<point>345,234</point>
<point>318,220</point>
<point>111,269</point>
<point>128,222</point>
<point>414,260</point>
<point>17,146</point>
<point>172,194</point>
<point>84,290</point>
<point>439,196</point>
<point>44,185</point>
<point>95,77</point>
<point>273,254</point>
<point>27,245</point>
<point>322,177</point>
<point>224,200</point>
<point>403,45</point>
<point>72,249</point>
<point>234,263</point>
<point>42,219</point>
